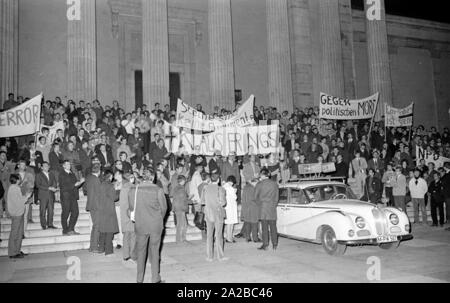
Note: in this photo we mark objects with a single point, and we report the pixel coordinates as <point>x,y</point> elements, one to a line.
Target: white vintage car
<point>328,212</point>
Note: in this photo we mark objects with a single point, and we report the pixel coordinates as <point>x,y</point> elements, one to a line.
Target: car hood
<point>347,206</point>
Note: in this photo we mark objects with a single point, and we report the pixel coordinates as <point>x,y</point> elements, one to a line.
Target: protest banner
<point>399,117</point>
<point>189,117</point>
<point>344,109</point>
<point>21,120</point>
<point>430,156</point>
<point>316,168</point>
<point>230,140</point>
<point>52,131</point>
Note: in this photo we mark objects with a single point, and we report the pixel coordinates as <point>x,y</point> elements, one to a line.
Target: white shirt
<point>129,126</point>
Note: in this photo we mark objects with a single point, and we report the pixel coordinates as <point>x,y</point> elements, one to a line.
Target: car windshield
<point>329,192</point>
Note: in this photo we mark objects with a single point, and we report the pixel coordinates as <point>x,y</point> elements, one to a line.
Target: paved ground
<point>426,258</point>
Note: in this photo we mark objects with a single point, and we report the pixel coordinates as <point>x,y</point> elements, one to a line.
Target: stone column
<point>278,51</point>
<point>332,66</point>
<point>9,48</point>
<point>155,40</point>
<point>82,54</point>
<point>301,53</point>
<point>221,54</point>
<point>378,56</point>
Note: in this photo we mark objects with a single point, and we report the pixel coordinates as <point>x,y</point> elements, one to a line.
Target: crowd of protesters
<point>110,154</point>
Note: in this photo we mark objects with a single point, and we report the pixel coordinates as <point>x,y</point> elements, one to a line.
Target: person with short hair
<point>69,199</point>
<point>16,208</point>
<point>418,188</point>
<point>148,203</point>
<point>266,196</point>
<point>436,194</point>
<point>230,208</point>
<point>47,186</point>
<point>213,198</point>
<point>180,205</point>
<point>250,212</point>
<point>126,224</point>
<point>92,186</point>
<point>107,221</point>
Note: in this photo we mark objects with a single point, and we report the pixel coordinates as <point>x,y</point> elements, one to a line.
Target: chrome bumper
<point>373,241</point>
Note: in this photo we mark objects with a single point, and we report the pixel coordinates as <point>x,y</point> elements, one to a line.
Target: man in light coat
<point>213,197</point>
<point>266,195</point>
<point>418,188</point>
<point>399,189</point>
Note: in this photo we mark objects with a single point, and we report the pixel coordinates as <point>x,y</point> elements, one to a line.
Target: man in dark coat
<point>250,212</point>
<point>266,196</point>
<point>69,198</point>
<point>107,217</point>
<point>341,168</point>
<point>46,185</point>
<point>373,188</point>
<point>150,208</point>
<point>92,186</point>
<point>436,193</point>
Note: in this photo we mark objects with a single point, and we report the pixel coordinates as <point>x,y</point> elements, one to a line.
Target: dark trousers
<point>148,245</point>
<point>106,243</point>
<point>46,212</point>
<point>389,195</point>
<point>95,234</point>
<point>265,224</point>
<point>69,208</point>
<point>250,231</point>
<point>30,212</point>
<point>15,236</point>
<point>435,206</point>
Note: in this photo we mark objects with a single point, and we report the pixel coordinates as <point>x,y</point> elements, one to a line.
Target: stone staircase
<point>38,240</point>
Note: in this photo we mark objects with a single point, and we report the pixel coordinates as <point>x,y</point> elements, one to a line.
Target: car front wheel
<point>330,243</point>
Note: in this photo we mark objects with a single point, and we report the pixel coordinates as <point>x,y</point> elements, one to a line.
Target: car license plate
<point>386,238</point>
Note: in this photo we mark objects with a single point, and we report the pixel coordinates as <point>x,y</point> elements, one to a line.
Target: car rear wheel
<point>330,243</point>
<point>389,245</point>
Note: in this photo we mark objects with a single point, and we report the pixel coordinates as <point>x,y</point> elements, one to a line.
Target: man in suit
<point>376,164</point>
<point>105,157</point>
<point>150,209</point>
<point>93,190</point>
<point>27,186</point>
<point>266,195</point>
<point>359,166</point>
<point>213,197</point>
<point>250,212</point>
<point>46,184</point>
<point>69,199</point>
<point>290,144</point>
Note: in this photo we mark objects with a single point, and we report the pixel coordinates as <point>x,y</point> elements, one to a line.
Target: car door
<point>296,214</point>
<point>281,209</point>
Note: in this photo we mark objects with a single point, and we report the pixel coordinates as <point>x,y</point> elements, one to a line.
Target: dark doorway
<point>174,90</point>
<point>138,89</point>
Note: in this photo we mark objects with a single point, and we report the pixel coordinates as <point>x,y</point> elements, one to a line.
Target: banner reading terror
<point>189,117</point>
<point>344,109</point>
<point>21,120</point>
<point>229,140</point>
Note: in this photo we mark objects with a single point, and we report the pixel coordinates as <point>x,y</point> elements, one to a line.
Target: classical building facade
<point>285,52</point>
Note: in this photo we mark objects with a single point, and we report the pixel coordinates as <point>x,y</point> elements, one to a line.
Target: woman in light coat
<point>231,208</point>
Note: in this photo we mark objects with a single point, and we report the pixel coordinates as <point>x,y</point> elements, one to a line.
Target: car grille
<point>396,229</point>
<point>379,221</point>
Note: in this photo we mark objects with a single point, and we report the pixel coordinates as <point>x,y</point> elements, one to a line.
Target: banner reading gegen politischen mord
<point>399,117</point>
<point>21,120</point>
<point>336,108</point>
<point>189,117</point>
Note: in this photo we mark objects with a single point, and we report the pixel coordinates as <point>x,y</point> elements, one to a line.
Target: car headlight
<point>394,219</point>
<point>351,233</point>
<point>360,223</point>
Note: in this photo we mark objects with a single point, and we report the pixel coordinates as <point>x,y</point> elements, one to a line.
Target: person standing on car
<point>266,195</point>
